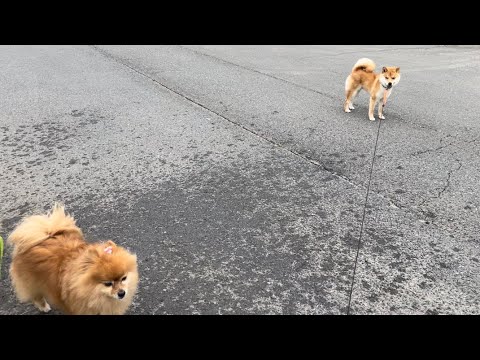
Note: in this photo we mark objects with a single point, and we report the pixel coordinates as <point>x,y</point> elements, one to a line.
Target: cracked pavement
<point>242,186</point>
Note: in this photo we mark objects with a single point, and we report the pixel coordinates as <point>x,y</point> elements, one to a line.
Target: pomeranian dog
<point>379,86</point>
<point>53,265</point>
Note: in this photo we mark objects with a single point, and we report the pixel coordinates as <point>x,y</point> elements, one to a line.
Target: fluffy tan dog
<point>53,265</point>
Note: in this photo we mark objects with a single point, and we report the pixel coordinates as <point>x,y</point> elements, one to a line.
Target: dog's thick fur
<point>377,85</point>
<point>53,265</point>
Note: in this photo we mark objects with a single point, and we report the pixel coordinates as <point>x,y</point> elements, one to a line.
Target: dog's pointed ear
<point>384,70</point>
<point>111,243</point>
<point>398,69</point>
<point>110,247</point>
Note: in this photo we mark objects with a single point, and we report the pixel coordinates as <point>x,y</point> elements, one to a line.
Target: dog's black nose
<point>121,294</point>
<point>389,84</point>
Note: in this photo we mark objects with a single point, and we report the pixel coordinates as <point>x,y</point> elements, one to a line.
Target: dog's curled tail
<point>364,64</point>
<point>37,228</point>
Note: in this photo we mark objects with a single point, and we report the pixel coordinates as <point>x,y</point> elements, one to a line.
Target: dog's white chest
<point>381,92</point>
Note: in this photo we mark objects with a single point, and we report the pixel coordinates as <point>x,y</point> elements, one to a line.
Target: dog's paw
<point>45,307</point>
<point>381,117</point>
<point>351,107</point>
<point>372,119</point>
<point>347,110</point>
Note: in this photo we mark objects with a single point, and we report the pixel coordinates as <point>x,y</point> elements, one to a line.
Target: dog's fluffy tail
<point>364,64</point>
<point>37,228</point>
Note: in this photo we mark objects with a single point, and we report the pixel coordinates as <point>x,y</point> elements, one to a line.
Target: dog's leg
<point>380,110</point>
<point>355,93</point>
<point>349,91</point>
<point>371,107</point>
<point>381,106</point>
<point>41,304</point>
<point>348,100</point>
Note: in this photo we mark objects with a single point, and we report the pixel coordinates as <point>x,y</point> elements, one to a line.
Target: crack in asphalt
<point>428,214</point>
<point>457,141</point>
<point>447,185</point>
<point>434,150</point>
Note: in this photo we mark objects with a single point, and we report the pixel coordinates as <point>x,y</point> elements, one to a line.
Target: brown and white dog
<point>379,86</point>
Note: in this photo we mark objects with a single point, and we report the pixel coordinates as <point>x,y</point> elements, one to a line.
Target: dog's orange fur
<point>52,264</point>
<point>377,85</point>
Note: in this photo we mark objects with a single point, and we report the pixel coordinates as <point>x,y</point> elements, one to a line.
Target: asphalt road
<point>242,186</point>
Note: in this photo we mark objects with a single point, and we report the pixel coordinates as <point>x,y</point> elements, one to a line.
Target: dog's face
<point>390,77</point>
<point>113,271</point>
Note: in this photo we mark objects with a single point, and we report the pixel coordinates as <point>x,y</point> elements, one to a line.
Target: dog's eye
<point>393,78</point>
<point>124,278</point>
<point>108,283</point>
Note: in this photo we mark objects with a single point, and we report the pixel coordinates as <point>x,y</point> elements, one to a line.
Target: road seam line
<point>259,72</point>
<point>273,142</point>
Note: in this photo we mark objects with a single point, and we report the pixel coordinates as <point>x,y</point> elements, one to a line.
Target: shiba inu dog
<point>379,86</point>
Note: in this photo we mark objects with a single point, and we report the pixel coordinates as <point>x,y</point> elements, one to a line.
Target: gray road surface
<point>237,179</point>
